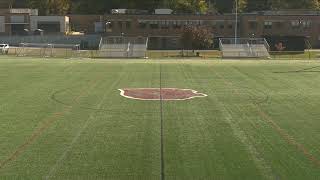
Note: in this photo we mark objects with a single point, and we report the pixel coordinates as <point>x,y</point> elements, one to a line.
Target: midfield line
<point>162,174</point>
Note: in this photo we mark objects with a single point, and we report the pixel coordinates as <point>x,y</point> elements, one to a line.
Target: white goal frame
<point>47,50</point>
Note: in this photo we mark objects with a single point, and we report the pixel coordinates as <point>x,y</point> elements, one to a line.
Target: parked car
<point>4,48</point>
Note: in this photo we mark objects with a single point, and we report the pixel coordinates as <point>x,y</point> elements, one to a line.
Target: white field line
<point>75,139</point>
<point>122,93</point>
<point>261,164</point>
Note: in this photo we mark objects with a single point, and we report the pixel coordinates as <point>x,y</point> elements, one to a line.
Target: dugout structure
<point>123,47</point>
<point>48,50</point>
<point>244,48</point>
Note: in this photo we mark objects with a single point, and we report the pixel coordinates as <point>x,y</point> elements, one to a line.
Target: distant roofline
<point>280,12</point>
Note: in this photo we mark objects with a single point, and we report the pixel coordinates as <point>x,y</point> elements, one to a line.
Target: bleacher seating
<point>244,48</point>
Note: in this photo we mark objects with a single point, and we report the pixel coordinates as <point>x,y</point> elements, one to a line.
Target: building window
<point>230,25</point>
<point>128,25</point>
<point>214,25</point>
<point>98,27</point>
<point>17,19</point>
<point>183,23</point>
<point>221,25</point>
<point>154,25</point>
<point>267,25</point>
<point>253,25</point>
<point>206,23</point>
<point>306,24</point>
<point>142,24</point>
<point>177,24</point>
<point>164,25</point>
<point>295,24</point>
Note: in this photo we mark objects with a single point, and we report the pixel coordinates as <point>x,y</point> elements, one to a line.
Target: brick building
<point>164,30</point>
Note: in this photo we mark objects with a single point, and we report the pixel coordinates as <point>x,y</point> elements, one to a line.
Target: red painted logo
<point>166,94</point>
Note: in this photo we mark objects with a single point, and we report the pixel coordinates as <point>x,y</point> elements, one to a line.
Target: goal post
<point>34,49</point>
<point>123,47</point>
<point>48,50</point>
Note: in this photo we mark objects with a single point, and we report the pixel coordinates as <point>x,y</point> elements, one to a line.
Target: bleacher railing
<point>244,47</point>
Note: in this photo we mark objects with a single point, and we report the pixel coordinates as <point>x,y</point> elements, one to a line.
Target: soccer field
<point>65,119</point>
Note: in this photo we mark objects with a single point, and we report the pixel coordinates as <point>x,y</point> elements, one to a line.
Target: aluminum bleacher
<point>244,48</point>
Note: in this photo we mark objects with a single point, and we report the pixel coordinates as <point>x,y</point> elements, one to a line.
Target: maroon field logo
<point>167,94</point>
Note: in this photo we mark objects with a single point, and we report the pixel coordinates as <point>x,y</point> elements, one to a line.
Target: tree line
<point>62,7</point>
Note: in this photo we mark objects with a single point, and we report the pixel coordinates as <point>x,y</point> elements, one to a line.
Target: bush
<point>196,38</point>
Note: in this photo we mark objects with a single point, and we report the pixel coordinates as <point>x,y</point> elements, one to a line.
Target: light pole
<point>236,23</point>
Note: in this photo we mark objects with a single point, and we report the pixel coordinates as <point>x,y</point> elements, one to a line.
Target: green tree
<point>60,7</point>
<point>188,6</point>
<point>299,4</point>
<point>50,7</point>
<point>258,5</point>
<point>228,6</point>
<point>104,6</point>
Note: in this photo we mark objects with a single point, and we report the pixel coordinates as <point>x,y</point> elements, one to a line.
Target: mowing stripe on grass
<point>283,134</point>
<point>79,133</point>
<point>261,164</point>
<point>38,132</point>
<point>162,174</point>
<point>288,138</point>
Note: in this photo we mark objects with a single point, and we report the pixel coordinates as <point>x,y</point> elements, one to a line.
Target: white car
<point>4,48</point>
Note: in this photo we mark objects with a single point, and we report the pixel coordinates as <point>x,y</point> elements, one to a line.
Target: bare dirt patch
<point>166,94</point>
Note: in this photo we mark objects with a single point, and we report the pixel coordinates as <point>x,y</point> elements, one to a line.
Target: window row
<point>295,24</point>
<point>174,24</point>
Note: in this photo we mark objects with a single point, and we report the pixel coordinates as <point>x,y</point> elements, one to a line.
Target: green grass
<point>65,119</point>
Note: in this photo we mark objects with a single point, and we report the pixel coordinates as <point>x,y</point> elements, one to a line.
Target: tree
<point>188,6</point>
<point>258,5</point>
<point>196,38</point>
<point>228,6</point>
<point>50,7</point>
<point>300,4</point>
<point>59,7</point>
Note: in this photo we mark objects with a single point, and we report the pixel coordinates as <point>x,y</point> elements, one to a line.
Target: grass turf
<point>63,119</point>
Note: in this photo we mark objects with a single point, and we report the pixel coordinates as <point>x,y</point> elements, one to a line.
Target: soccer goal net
<point>48,50</point>
<point>244,48</point>
<point>123,47</point>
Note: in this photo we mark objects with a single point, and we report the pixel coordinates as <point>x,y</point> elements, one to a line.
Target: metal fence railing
<point>205,54</point>
<point>244,47</point>
<point>87,42</point>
